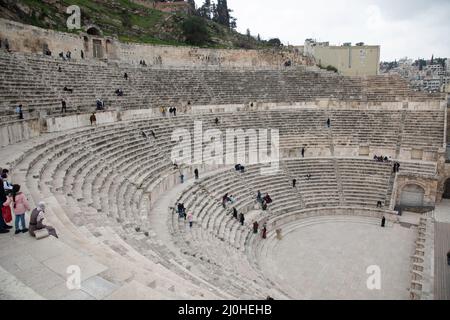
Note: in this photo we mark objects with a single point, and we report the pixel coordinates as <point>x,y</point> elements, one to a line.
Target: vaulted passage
<point>447,189</point>
<point>412,196</point>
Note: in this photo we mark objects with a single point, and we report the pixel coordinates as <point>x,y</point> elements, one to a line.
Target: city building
<point>358,60</point>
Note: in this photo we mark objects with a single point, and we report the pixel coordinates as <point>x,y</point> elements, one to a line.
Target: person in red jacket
<point>20,206</point>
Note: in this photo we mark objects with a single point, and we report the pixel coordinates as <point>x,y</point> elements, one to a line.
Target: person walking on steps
<point>264,231</point>
<point>255,227</point>
<point>196,174</point>
<point>190,219</point>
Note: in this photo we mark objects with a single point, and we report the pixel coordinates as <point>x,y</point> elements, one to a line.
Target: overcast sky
<point>413,28</point>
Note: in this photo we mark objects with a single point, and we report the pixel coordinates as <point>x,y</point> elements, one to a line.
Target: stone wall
<point>29,39</point>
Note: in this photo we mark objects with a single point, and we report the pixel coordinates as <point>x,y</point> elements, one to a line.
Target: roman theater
<point>111,188</point>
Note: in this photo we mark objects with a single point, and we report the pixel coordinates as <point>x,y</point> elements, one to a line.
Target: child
<point>190,219</point>
<point>20,207</point>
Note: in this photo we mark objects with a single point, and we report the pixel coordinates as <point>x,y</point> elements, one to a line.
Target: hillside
<point>123,19</point>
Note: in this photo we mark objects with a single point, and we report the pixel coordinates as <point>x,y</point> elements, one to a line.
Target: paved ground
<point>330,260</point>
<point>441,247</point>
<point>442,211</point>
<point>28,266</point>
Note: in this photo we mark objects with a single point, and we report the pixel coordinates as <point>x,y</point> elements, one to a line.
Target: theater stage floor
<point>329,259</point>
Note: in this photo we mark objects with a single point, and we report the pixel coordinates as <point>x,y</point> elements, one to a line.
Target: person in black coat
<point>235,213</point>
<point>242,219</point>
<point>383,222</point>
<point>4,228</point>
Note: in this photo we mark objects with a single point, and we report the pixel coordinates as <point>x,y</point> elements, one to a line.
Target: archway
<point>446,194</point>
<point>93,31</point>
<point>412,196</point>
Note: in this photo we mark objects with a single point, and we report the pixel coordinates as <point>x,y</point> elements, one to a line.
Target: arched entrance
<point>446,194</point>
<point>94,31</point>
<point>412,196</point>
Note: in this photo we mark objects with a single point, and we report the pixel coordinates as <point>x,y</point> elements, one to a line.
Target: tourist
<point>93,119</point>
<point>328,122</point>
<point>125,76</point>
<point>379,204</point>
<point>259,196</point>
<point>19,111</point>
<point>174,111</point>
<point>264,231</point>
<point>241,219</point>
<point>268,199</point>
<point>264,206</point>
<point>7,186</point>
<point>82,54</point>
<point>47,52</point>
<point>255,227</point>
<point>216,121</point>
<point>7,45</point>
<point>119,92</point>
<point>179,209</point>
<point>237,167</point>
<point>190,219</point>
<point>308,177</point>
<point>59,69</point>
<point>61,55</point>
<point>36,221</point>
<point>182,178</point>
<point>163,111</point>
<point>63,106</point>
<point>231,199</point>
<point>68,55</point>
<point>235,213</point>
<point>448,257</point>
<point>144,135</point>
<point>153,133</point>
<point>170,110</point>
<point>294,183</point>
<point>303,152</point>
<point>99,104</point>
<point>4,228</point>
<point>68,90</point>
<point>279,236</point>
<point>383,222</point>
<point>196,174</point>
<point>242,169</point>
<point>20,207</point>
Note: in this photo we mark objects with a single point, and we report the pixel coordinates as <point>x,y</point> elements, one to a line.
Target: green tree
<point>275,42</point>
<point>195,31</point>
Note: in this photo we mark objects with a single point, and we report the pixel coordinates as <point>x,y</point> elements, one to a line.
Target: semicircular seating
<point>110,190</point>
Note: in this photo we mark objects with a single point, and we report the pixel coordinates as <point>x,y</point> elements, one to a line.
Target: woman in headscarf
<point>36,221</point>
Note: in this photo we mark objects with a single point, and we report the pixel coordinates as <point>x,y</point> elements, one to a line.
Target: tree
<point>195,31</point>
<point>192,4</point>
<point>233,24</point>
<point>249,35</point>
<point>275,42</point>
<point>223,13</point>
<point>258,38</point>
<point>205,10</point>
